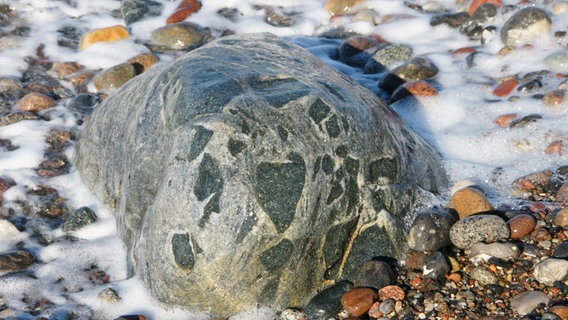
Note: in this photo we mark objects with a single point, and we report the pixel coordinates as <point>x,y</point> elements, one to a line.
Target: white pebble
<point>481,251</point>
<point>557,61</point>
<point>550,270</point>
<point>560,7</point>
<point>526,302</point>
<point>7,230</point>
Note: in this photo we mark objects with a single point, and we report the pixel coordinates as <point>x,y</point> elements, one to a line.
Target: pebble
<point>374,274</point>
<point>453,20</point>
<point>500,250</point>
<point>473,27</point>
<point>555,147</point>
<point>472,229</point>
<point>477,3</point>
<point>414,260</point>
<point>146,60</point>
<point>418,68</point>
<point>524,26</point>
<point>134,10</point>
<point>291,314</point>
<point>108,34</point>
<point>436,266</point>
<point>505,87</point>
<point>181,35</point>
<point>113,78</point>
<point>561,250</point>
<point>15,260</point>
<point>561,218</point>
<point>326,303</point>
<point>78,219</point>
<point>184,10</point>
<point>416,88</point>
<point>560,310</point>
<point>430,230</point>
<point>109,295</point>
<point>484,276</point>
<point>524,121</point>
<point>468,201</point>
<point>340,7</point>
<point>550,270</point>
<point>34,102</point>
<point>554,98</point>
<point>64,69</point>
<point>356,51</point>
<point>562,194</point>
<point>557,62</point>
<point>393,292</point>
<point>560,7</point>
<point>359,300</point>
<point>388,58</point>
<point>525,302</point>
<point>7,230</point>
<point>504,120</point>
<point>521,225</point>
<point>375,310</point>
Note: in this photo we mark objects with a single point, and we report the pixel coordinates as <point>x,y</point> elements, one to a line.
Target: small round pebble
<point>418,68</point>
<point>550,270</point>
<point>108,34</point>
<point>554,98</point>
<point>7,230</point>
<point>478,228</point>
<point>113,78</point>
<point>521,225</point>
<point>181,35</point>
<point>468,201</point>
<point>374,274</point>
<point>483,276</point>
<point>34,101</point>
<point>358,300</point>
<point>340,7</point>
<point>525,302</point>
<point>557,62</point>
<point>561,218</point>
<point>109,295</point>
<point>560,7</point>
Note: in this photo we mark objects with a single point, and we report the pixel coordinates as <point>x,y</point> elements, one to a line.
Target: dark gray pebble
<point>78,219</point>
<point>436,266</point>
<point>453,20</point>
<point>561,250</point>
<point>327,303</point>
<point>431,230</point>
<point>374,274</point>
<point>525,121</point>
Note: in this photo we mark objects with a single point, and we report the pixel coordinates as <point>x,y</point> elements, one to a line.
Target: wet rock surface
<point>291,195</point>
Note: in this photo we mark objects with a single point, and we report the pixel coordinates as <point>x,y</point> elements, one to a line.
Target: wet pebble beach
<point>483,81</point>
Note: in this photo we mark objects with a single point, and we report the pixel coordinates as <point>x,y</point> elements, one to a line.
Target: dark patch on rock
<point>236,146</point>
<point>183,253</point>
<point>367,239</point>
<point>283,133</point>
<point>200,140</point>
<point>332,127</point>
<point>319,110</point>
<point>327,164</point>
<point>277,256</point>
<point>335,192</point>
<point>279,188</point>
<point>384,168</point>
<point>336,241</point>
<point>209,180</point>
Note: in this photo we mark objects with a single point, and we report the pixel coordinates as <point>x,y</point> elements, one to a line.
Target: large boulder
<point>248,172</point>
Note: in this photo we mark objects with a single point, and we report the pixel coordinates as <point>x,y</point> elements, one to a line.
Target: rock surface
<point>243,170</point>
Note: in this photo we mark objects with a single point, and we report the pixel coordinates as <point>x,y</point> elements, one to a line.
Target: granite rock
<point>243,170</point>
<point>483,227</point>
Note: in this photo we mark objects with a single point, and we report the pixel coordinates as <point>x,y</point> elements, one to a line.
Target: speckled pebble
<point>478,228</point>
<point>388,57</point>
<point>525,302</point>
<point>78,219</point>
<point>430,230</point>
<point>484,276</point>
<point>550,270</point>
<point>391,292</point>
<point>418,68</point>
<point>554,98</point>
<point>109,295</point>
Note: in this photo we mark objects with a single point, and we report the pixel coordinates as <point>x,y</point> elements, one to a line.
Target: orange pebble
<point>476,3</point>
<point>463,50</point>
<point>505,87</point>
<point>420,88</point>
<point>554,148</point>
<point>504,120</point>
<point>184,10</point>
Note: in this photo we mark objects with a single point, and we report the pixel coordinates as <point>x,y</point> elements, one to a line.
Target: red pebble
<point>555,148</point>
<point>358,301</point>
<point>504,120</point>
<point>505,87</point>
<point>184,10</point>
<point>375,311</point>
<point>476,3</point>
<point>521,225</point>
<point>464,50</point>
<point>391,292</point>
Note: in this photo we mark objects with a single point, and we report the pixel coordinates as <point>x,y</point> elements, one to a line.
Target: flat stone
<point>15,260</point>
<point>34,101</point>
<point>524,26</point>
<point>184,10</point>
<point>430,230</point>
<point>500,250</point>
<point>113,78</point>
<point>472,229</point>
<point>418,68</point>
<point>265,171</point>
<point>108,34</point>
<point>525,302</point>
<point>550,270</point>
<point>388,58</point>
<point>484,276</point>
<point>393,292</point>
